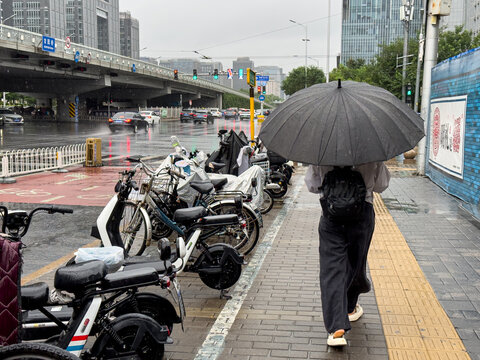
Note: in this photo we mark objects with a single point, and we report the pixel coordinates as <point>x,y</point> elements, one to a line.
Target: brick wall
<point>457,76</point>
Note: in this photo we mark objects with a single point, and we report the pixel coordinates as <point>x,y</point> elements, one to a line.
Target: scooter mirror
<point>164,249</point>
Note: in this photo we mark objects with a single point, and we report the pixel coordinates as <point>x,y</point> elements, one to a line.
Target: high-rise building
<point>129,36</point>
<point>368,24</point>
<point>473,16</point>
<point>240,66</point>
<point>46,17</point>
<point>276,77</point>
<point>458,15</point>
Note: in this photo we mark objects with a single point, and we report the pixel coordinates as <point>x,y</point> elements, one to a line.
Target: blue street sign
<point>261,97</point>
<point>263,78</point>
<point>133,68</point>
<point>48,44</point>
<point>77,100</point>
<point>77,56</point>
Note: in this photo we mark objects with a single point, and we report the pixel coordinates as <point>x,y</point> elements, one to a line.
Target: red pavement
<point>80,186</point>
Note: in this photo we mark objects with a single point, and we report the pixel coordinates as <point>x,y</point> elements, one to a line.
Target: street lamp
<point>306,40</point>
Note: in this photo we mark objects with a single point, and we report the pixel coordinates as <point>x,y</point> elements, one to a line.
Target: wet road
<point>155,141</point>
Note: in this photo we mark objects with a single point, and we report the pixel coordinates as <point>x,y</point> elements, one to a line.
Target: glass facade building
<point>367,24</point>
<point>129,36</point>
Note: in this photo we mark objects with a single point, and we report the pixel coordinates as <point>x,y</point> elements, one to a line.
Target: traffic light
<point>408,93</point>
<point>175,74</point>
<point>240,74</point>
<point>195,75</point>
<point>259,90</point>
<point>264,89</point>
<point>215,74</point>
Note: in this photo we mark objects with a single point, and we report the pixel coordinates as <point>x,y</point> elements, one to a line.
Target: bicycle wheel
<point>246,243</point>
<point>133,230</point>
<point>34,351</point>
<point>268,201</point>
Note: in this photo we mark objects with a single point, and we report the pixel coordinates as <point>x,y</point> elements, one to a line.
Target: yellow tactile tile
<point>414,322</point>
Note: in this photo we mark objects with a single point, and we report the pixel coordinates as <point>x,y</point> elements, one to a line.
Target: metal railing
<point>25,161</point>
<point>24,40</point>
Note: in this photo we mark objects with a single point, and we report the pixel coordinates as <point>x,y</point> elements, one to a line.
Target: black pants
<point>343,260</point>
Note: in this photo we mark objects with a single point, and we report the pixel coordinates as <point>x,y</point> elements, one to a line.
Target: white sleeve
<point>382,178</point>
<point>313,179</point>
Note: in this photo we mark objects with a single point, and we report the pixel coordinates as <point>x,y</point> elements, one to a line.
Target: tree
<point>296,79</point>
<point>451,43</point>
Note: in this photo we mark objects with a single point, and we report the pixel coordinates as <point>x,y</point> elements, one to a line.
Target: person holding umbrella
<point>345,131</point>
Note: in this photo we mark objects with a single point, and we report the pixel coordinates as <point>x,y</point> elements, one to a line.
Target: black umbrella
<point>344,123</point>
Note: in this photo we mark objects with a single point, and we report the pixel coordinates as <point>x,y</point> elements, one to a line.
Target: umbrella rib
<point>348,121</point>
<point>329,135</point>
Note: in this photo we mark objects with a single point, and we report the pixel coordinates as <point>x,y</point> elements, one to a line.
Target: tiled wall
<point>457,76</point>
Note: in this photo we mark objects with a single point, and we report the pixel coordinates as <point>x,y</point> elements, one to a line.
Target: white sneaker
<point>357,313</point>
<point>337,338</point>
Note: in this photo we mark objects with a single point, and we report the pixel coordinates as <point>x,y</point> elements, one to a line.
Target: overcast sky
<point>226,29</point>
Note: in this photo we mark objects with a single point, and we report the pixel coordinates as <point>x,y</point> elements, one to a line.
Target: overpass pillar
<point>220,101</point>
<point>67,107</point>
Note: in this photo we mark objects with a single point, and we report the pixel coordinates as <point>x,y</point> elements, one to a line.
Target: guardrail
<point>20,39</point>
<point>26,161</point>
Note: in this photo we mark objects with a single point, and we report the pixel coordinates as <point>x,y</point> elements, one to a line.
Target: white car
<point>10,117</point>
<point>151,117</point>
<point>216,112</point>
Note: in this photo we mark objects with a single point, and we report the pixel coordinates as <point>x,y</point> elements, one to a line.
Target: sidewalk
<point>424,248</point>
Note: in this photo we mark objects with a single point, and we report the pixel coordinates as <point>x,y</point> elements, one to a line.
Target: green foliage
<point>451,43</point>
<point>14,98</point>
<point>231,100</point>
<point>296,79</point>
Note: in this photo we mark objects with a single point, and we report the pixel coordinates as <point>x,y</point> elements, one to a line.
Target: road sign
<point>134,68</point>
<point>261,97</point>
<point>68,42</point>
<point>230,74</point>
<point>48,44</point>
<point>250,77</point>
<point>77,100</point>
<point>263,78</point>
<point>77,56</point>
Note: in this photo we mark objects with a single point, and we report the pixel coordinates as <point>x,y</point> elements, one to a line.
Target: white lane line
<point>213,345</point>
<point>91,188</point>
<point>52,199</point>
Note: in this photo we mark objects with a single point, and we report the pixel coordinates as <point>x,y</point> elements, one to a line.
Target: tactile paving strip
<point>414,322</point>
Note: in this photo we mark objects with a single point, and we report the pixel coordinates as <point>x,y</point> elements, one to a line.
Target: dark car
<point>231,113</point>
<point>187,115</point>
<point>203,116</point>
<point>127,120</point>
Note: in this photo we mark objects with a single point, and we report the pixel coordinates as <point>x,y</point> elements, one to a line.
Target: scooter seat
<point>202,187</point>
<point>227,219</point>
<point>75,277</point>
<point>34,296</point>
<point>139,262</point>
<point>189,214</point>
<point>130,278</point>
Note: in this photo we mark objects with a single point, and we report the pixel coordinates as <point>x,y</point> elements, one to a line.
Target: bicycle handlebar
<point>176,173</point>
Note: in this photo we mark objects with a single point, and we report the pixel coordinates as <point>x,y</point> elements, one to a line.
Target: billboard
<point>447,134</point>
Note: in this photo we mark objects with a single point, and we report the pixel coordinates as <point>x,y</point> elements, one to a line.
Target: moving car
<point>10,117</point>
<point>127,120</point>
<point>187,115</point>
<point>150,116</point>
<point>244,114</point>
<point>231,113</point>
<point>203,116</point>
<point>216,112</point>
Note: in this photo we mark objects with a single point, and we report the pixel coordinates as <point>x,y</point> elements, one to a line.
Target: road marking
<point>76,177</point>
<point>55,264</point>
<point>414,322</point>
<point>52,199</point>
<point>91,188</point>
<point>213,345</point>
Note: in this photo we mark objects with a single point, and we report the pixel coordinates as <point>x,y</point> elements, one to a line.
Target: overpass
<point>77,74</point>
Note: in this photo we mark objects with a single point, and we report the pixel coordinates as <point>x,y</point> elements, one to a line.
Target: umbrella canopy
<point>344,123</point>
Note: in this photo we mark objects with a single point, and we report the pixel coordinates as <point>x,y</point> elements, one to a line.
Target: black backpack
<point>344,193</point>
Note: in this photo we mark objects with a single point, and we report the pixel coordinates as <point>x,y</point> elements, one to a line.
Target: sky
<point>226,29</point>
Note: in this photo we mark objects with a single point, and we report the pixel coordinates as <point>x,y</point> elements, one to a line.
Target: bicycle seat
<point>34,296</point>
<point>218,183</point>
<point>202,187</point>
<point>189,214</point>
<point>75,277</point>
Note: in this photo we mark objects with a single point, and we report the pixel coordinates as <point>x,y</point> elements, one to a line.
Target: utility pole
<point>327,75</point>
<point>430,60</point>
<point>407,8</point>
<point>421,47</point>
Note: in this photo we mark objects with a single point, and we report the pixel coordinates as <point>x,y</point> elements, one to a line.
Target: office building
<point>276,77</point>
<point>473,16</point>
<point>368,24</point>
<point>129,36</point>
<point>46,17</point>
<point>240,67</point>
<point>458,15</point>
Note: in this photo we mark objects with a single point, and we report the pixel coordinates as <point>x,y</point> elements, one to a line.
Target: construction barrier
<point>93,156</point>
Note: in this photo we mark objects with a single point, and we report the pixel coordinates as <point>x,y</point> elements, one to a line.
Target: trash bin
<point>93,156</point>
